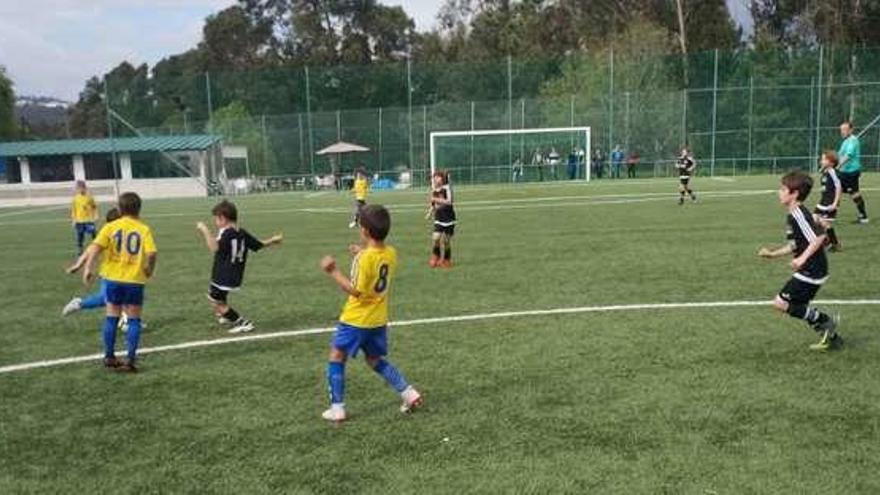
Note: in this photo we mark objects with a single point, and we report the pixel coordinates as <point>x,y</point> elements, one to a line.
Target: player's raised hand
<point>328,264</point>
<point>201,227</point>
<point>354,249</point>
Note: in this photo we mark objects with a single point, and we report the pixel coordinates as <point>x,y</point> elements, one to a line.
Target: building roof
<point>196,142</point>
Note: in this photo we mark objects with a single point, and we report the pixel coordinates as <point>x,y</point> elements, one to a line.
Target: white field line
<point>316,194</point>
<point>473,205</point>
<point>425,321</point>
<point>34,210</point>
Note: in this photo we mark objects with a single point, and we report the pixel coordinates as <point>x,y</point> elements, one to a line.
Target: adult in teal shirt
<point>850,168</point>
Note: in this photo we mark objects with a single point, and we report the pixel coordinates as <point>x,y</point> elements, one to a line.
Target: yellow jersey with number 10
<point>371,273</point>
<point>126,244</point>
<point>83,209</point>
<point>361,186</point>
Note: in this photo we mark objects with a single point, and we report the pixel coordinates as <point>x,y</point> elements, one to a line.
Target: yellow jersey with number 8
<point>371,273</point>
<point>126,244</point>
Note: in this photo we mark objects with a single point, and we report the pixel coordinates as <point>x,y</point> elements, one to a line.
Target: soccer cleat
<point>434,261</point>
<point>830,339</point>
<point>336,413</point>
<point>127,367</point>
<point>863,220</point>
<point>71,307</point>
<point>352,225</point>
<point>445,263</point>
<point>412,400</point>
<point>112,362</point>
<point>836,248</point>
<point>681,201</point>
<point>242,326</point>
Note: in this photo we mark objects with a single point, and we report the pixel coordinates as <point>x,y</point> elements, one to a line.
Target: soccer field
<point>610,397</point>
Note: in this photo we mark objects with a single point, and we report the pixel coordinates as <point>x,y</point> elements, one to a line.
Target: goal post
<point>513,155</point>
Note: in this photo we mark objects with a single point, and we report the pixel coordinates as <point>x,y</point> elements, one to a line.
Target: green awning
<point>198,142</point>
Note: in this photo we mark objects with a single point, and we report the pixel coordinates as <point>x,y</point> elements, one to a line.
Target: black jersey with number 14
<point>231,257</point>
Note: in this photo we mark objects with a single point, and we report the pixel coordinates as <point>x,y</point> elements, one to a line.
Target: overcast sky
<point>50,47</point>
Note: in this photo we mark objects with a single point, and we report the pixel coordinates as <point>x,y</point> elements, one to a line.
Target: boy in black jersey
<point>230,248</point>
<point>826,208</point>
<point>441,206</point>
<point>806,242</point>
<point>686,166</point>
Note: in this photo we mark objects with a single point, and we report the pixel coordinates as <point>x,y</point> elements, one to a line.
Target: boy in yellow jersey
<point>83,213</point>
<point>361,187</point>
<point>364,319</point>
<point>129,260</point>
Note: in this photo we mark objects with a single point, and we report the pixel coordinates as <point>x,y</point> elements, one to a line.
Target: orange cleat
<point>434,262</point>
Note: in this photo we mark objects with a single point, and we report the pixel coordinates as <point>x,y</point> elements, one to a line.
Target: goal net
<point>512,155</point>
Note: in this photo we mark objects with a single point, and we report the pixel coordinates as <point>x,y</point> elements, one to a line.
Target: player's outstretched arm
<point>274,240</point>
<point>328,264</point>
<point>770,253</point>
<point>78,263</point>
<point>91,255</point>
<point>210,240</point>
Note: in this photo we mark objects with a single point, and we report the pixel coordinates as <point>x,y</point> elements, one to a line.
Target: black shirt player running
<point>806,243</point>
<point>826,208</point>
<point>230,246</point>
<point>444,220</point>
<point>686,166</point>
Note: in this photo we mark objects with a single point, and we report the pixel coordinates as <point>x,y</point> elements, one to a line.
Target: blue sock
<point>94,300</point>
<point>391,375</point>
<point>133,337</point>
<point>110,324</point>
<point>336,382</point>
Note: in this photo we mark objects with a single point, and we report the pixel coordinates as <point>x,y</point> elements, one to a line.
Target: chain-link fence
<point>742,112</point>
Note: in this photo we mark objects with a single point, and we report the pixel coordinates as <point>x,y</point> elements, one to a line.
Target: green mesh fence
<point>742,112</point>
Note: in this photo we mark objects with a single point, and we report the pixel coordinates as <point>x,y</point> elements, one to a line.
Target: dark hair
<point>361,169</point>
<point>112,215</point>
<point>225,209</point>
<point>847,123</point>
<point>443,175</point>
<point>376,220</point>
<point>832,157</point>
<point>798,181</point>
<point>129,204</point>
<point>80,184</point>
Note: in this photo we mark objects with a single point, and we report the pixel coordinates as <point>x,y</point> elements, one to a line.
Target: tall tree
<point>8,127</point>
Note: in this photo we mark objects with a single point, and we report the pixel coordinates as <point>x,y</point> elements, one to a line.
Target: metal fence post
<point>309,122</point>
<point>611,100</point>
<point>380,165</point>
<point>409,92</point>
<point>714,112</point>
<point>816,143</point>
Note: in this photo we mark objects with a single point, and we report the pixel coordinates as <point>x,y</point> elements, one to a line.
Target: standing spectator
<point>517,171</point>
<point>617,157</point>
<point>598,162</point>
<point>572,164</point>
<point>538,163</point>
<point>850,155</point>
<point>631,163</point>
<point>553,161</point>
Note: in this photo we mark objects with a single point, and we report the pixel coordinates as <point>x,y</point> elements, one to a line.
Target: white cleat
<point>71,307</point>
<point>863,220</point>
<point>243,327</point>
<point>352,225</point>
<point>336,413</point>
<point>412,400</point>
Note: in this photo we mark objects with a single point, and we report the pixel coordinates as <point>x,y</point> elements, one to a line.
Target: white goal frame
<point>513,132</point>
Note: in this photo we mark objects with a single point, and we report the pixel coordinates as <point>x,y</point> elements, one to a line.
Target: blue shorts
<point>85,228</point>
<point>373,341</point>
<point>122,294</point>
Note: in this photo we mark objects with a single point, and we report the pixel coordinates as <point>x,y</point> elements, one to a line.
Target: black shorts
<point>849,181</point>
<point>445,229</point>
<point>684,180</point>
<point>797,291</point>
<point>217,295</point>
<point>827,215</point>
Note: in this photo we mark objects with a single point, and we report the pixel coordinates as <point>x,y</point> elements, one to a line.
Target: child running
<point>361,186</point>
<point>826,208</point>
<point>129,261</point>
<point>686,166</point>
<point>363,324</point>
<point>230,247</point>
<point>441,205</point>
<point>83,214</point>
<point>810,264</point>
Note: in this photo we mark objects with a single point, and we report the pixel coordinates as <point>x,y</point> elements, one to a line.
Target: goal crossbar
<point>510,132</point>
